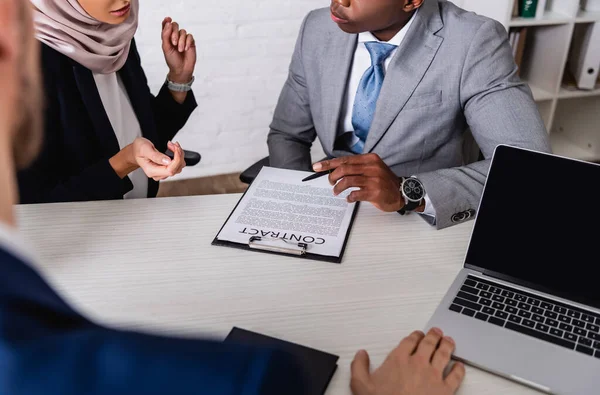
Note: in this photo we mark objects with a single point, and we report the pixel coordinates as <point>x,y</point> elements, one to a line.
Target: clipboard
<point>280,247</point>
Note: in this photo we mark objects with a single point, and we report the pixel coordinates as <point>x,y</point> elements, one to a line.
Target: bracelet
<point>176,87</point>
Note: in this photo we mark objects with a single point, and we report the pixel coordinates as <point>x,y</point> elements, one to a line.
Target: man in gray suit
<point>391,92</point>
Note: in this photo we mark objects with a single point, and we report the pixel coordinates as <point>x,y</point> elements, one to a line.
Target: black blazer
<point>79,139</point>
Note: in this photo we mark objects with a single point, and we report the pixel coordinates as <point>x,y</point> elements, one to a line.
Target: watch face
<point>413,190</point>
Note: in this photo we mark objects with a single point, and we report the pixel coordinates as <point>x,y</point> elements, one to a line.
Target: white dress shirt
<point>362,62</point>
<point>124,123</point>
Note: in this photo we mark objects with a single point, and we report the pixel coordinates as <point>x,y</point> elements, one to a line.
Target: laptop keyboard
<point>529,314</point>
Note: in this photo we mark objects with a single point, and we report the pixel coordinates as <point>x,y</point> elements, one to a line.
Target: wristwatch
<point>176,87</point>
<point>413,193</point>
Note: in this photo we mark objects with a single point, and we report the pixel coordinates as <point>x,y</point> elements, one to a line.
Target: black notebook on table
<point>319,366</point>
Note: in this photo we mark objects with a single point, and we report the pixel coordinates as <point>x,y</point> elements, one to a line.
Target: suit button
<point>459,217</point>
<point>463,216</point>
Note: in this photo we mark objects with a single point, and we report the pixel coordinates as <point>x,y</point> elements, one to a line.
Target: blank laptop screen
<point>538,224</point>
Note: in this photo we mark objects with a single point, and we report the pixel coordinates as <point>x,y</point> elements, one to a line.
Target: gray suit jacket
<point>453,72</point>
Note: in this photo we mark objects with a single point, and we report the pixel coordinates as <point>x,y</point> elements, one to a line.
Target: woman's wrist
<point>123,163</point>
<point>179,78</point>
<point>179,97</point>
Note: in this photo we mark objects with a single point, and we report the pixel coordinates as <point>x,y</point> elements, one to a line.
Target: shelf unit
<point>572,116</point>
<point>549,18</point>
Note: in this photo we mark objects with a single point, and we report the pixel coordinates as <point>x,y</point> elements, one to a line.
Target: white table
<point>149,265</point>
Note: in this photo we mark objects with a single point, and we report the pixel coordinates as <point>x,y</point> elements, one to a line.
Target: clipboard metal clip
<point>300,249</point>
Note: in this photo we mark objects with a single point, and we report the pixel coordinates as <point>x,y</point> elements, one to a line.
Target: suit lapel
<point>89,93</point>
<point>406,70</point>
<point>340,54</point>
<point>137,90</point>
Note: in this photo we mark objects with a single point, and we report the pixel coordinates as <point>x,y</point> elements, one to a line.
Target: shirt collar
<point>396,40</point>
<point>14,244</point>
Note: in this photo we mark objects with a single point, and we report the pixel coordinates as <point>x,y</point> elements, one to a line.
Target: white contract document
<point>280,211</point>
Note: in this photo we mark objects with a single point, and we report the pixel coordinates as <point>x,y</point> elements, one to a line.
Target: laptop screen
<point>538,224</point>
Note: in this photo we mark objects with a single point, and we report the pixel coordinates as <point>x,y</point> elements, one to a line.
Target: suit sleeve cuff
<point>107,176</point>
<point>178,110</point>
<point>429,209</point>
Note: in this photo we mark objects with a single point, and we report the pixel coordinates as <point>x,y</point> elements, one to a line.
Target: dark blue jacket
<point>79,139</point>
<point>47,348</point>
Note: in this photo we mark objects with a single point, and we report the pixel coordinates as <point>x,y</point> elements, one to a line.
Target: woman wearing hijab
<point>105,133</point>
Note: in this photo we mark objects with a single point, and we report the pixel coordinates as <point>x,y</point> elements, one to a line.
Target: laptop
<point>526,304</point>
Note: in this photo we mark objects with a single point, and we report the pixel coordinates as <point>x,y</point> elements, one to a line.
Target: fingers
<point>345,170</point>
<point>157,165</point>
<point>337,162</point>
<point>364,195</point>
<point>182,40</point>
<point>178,162</point>
<point>156,157</point>
<point>167,31</point>
<point>175,39</point>
<point>350,182</point>
<point>190,42</point>
<point>443,354</point>
<point>456,376</point>
<point>429,344</point>
<point>190,51</point>
<point>166,21</point>
<point>154,171</point>
<point>346,160</point>
<point>361,376</point>
<point>175,34</point>
<point>409,344</point>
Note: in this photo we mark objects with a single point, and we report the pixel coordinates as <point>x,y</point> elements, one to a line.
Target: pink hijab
<point>66,27</point>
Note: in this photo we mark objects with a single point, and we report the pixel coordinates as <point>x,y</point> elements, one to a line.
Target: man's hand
<point>378,184</point>
<point>415,367</point>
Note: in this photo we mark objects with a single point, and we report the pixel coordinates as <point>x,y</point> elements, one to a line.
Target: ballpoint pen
<point>317,175</point>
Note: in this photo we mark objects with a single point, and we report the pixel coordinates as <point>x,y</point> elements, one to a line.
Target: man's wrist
<point>421,207</point>
<point>413,205</point>
<point>401,203</point>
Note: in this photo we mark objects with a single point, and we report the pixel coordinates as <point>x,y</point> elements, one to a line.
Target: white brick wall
<point>244,50</point>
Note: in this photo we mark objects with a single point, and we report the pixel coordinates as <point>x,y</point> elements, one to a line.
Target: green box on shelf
<point>528,8</point>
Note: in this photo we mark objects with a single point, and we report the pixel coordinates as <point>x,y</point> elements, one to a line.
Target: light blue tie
<point>368,93</point>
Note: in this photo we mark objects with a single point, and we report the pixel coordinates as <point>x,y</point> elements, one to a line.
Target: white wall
<point>244,50</point>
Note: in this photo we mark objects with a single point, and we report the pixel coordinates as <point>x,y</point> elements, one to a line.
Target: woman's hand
<point>142,153</point>
<point>156,165</point>
<point>180,51</point>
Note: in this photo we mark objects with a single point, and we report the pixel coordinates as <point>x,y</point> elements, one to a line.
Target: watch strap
<point>410,206</point>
